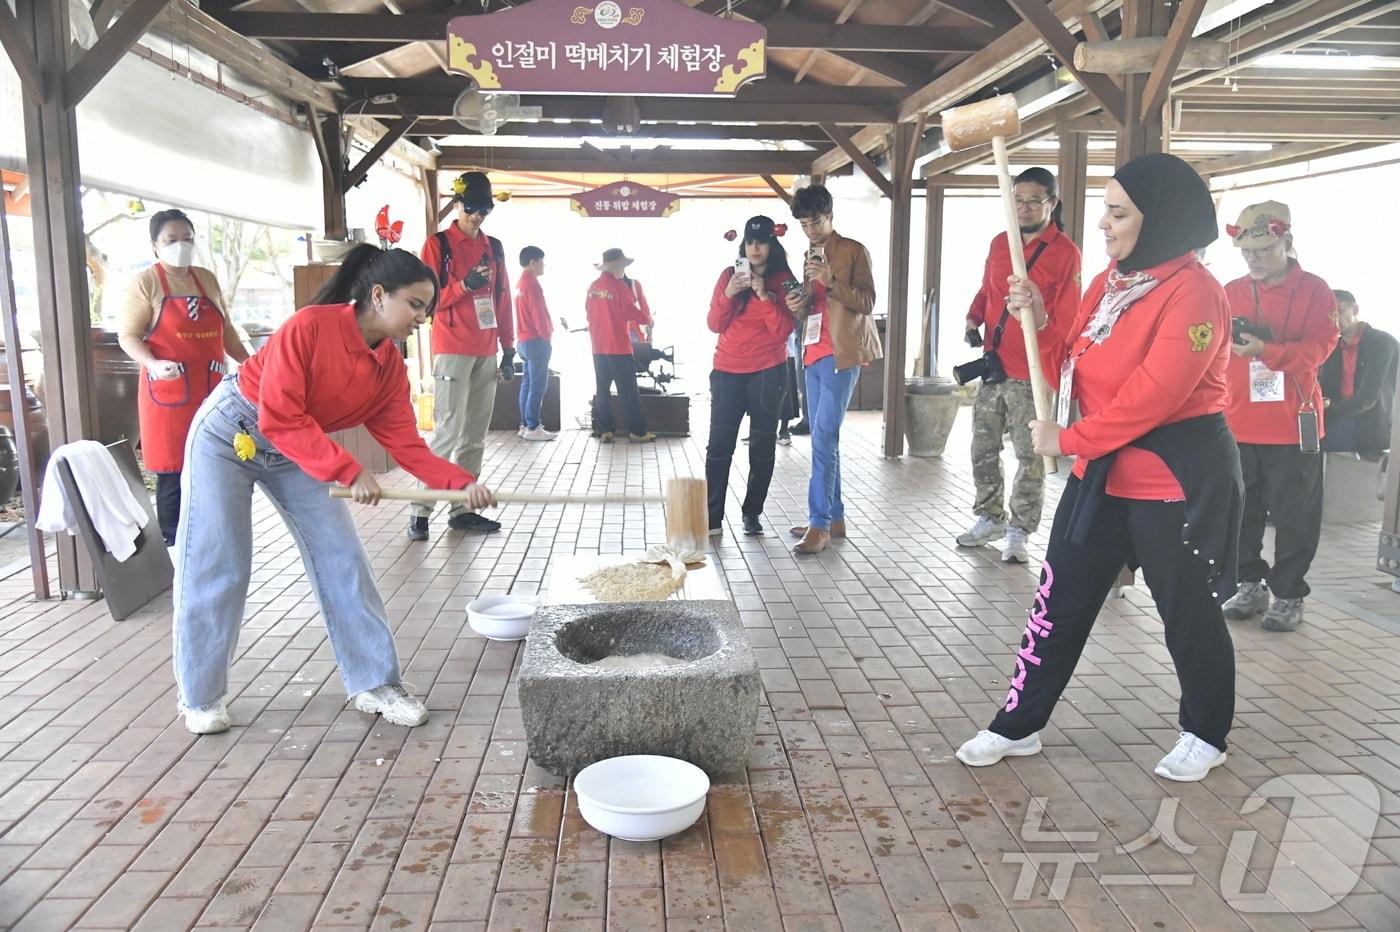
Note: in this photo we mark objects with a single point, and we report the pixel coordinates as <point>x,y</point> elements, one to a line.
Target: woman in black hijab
<point>1157,472</point>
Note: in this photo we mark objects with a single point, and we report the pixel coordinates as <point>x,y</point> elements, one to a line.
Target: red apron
<point>188,329</point>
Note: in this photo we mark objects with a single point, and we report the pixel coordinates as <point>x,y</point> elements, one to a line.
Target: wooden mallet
<point>686,505</point>
<point>992,121</point>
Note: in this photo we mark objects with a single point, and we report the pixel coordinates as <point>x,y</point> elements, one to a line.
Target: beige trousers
<point>464,392</point>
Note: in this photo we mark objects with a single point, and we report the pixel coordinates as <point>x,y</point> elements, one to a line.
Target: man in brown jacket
<point>838,338</point>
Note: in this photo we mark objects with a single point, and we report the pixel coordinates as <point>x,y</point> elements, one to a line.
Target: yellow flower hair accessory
<point>244,447</point>
<point>459,186</point>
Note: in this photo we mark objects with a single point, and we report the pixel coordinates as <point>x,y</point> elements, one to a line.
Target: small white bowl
<point>501,617</point>
<point>641,797</point>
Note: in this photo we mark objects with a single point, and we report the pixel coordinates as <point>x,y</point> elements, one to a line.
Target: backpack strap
<point>444,258</point>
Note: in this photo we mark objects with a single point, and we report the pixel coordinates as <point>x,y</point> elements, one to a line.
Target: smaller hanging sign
<point>625,199</point>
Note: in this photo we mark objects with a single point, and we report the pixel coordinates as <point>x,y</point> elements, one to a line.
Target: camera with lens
<point>1239,326</point>
<point>988,369</point>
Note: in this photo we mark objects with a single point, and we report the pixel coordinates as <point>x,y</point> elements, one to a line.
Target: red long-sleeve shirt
<point>611,304</point>
<point>455,327</point>
<point>532,321</point>
<point>1302,313</point>
<point>316,375</point>
<point>1163,362</point>
<point>755,339</point>
<point>1055,273</point>
<point>634,329</point>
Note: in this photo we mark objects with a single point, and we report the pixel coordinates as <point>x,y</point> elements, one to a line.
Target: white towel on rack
<point>115,512</point>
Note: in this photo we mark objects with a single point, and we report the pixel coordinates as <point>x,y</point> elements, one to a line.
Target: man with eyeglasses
<point>1285,326</point>
<point>1004,399</point>
<point>473,315</point>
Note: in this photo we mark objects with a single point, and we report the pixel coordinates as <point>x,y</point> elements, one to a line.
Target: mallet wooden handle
<point>512,498</point>
<point>1039,388</point>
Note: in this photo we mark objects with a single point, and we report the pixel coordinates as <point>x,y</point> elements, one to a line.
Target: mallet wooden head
<point>975,124</point>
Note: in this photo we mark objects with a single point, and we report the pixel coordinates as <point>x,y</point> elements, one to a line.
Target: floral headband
<point>779,229</point>
<point>1271,227</point>
<point>459,187</point>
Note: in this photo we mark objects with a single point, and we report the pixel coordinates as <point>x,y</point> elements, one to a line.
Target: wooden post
<point>24,444</point>
<point>902,153</point>
<point>330,146</point>
<point>51,137</point>
<point>933,271</point>
<point>1141,133</point>
<point>1073,179</point>
<point>430,197</point>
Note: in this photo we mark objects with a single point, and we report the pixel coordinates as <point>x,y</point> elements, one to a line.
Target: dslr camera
<point>1239,326</point>
<point>988,369</point>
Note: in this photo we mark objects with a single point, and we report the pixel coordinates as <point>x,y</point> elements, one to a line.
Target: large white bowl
<point>501,617</point>
<point>641,797</point>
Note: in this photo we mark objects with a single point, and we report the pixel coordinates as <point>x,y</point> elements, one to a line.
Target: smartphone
<point>817,254</point>
<point>792,286</point>
<point>741,266</point>
<point>1308,440</point>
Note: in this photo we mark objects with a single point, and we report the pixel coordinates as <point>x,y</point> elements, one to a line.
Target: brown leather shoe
<point>814,541</point>
<point>838,529</point>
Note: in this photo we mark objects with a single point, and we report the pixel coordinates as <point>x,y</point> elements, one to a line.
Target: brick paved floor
<point>878,658</point>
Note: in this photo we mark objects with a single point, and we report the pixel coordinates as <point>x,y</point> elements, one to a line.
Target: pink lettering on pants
<point>1036,627</point>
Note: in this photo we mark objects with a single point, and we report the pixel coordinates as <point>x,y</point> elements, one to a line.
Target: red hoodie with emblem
<point>1163,362</point>
<point>456,326</point>
<point>611,306</point>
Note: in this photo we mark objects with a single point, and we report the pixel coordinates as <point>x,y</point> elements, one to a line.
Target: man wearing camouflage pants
<point>1004,399</point>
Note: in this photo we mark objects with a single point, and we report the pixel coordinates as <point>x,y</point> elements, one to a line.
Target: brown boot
<point>814,541</point>
<point>838,529</point>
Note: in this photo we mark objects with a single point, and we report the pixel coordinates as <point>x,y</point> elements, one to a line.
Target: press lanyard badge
<point>1264,383</point>
<point>1066,395</point>
<point>812,330</point>
<point>485,312</point>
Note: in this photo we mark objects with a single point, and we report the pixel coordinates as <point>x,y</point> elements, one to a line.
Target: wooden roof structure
<point>851,85</point>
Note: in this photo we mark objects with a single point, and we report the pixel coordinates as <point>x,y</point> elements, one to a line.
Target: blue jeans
<point>828,394</point>
<point>534,354</point>
<point>214,556</point>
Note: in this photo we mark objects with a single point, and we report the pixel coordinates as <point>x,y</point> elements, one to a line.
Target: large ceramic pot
<point>116,380</point>
<point>33,418</point>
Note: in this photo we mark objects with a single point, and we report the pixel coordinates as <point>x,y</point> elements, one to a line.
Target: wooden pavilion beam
<point>120,36</point>
<point>1184,20</point>
<point>778,189</point>
<point>1039,15</point>
<point>1287,126</point>
<point>386,142</point>
<point>21,55</point>
<point>439,126</point>
<point>652,161</point>
<point>862,161</point>
<point>689,109</point>
<point>1278,155</point>
<point>762,92</point>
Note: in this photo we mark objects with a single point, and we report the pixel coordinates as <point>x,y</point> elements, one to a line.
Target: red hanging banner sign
<point>645,47</point>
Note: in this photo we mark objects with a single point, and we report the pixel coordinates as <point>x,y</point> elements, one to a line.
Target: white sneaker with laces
<point>1015,549</point>
<point>988,747</point>
<point>207,720</point>
<point>537,434</point>
<point>1190,760</point>
<point>983,532</point>
<point>395,703</point>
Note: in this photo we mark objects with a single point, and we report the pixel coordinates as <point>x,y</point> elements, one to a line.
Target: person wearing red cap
<point>1285,328</point>
<point>473,316</point>
<point>612,306</point>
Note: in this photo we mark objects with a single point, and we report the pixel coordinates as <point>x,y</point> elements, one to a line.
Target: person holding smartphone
<point>1285,327</point>
<point>838,337</point>
<point>749,311</point>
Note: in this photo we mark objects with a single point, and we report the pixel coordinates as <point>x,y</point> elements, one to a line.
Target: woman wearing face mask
<point>173,324</point>
<point>331,366</point>
<point>1157,476</point>
<point>749,312</point>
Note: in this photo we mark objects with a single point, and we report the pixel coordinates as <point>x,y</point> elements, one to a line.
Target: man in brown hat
<point>612,306</point>
<point>1285,325</point>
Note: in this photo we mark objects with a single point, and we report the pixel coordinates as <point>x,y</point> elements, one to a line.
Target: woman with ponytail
<point>332,366</point>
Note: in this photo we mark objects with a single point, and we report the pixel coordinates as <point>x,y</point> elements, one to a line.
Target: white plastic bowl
<point>641,797</point>
<point>501,617</point>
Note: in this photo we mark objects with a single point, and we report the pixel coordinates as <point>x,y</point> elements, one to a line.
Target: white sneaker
<point>520,431</point>
<point>539,433</point>
<point>207,720</point>
<point>1190,760</point>
<point>1015,549</point>
<point>989,747</point>
<point>395,703</point>
<point>983,532</point>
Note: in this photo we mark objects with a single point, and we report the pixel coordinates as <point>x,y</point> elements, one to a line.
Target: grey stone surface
<point>703,711</point>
